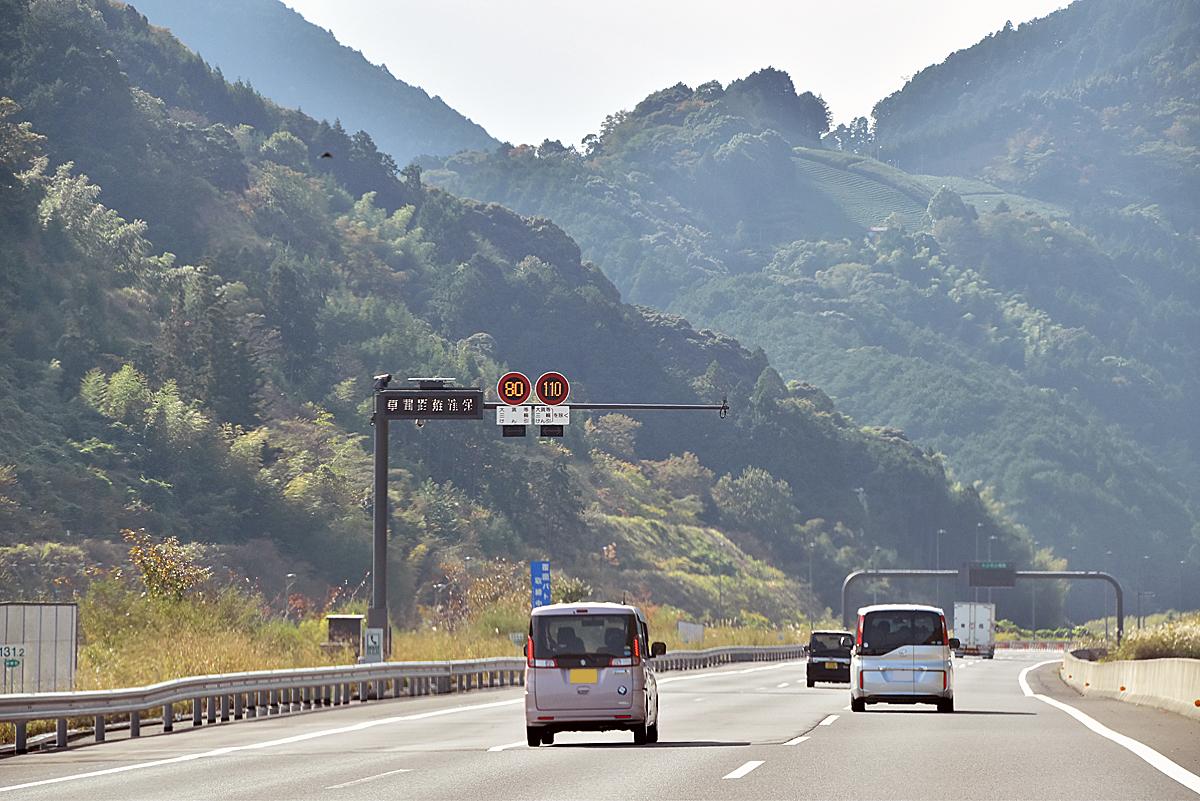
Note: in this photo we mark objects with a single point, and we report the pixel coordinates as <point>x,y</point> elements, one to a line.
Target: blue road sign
<point>539,584</point>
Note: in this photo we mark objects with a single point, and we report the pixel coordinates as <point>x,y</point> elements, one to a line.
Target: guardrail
<point>237,696</point>
<point>1037,645</point>
<point>711,657</point>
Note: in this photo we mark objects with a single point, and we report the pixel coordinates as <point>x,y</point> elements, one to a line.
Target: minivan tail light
<point>944,680</point>
<point>858,636</point>
<point>637,649</point>
<point>529,651</point>
<point>945,634</point>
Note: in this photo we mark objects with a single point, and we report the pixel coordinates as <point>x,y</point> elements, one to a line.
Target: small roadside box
<point>345,631</point>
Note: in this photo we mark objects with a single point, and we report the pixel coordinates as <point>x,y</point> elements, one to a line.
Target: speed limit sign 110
<point>552,388</point>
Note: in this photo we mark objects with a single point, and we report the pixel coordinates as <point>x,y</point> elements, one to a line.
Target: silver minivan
<point>902,655</point>
<point>587,669</point>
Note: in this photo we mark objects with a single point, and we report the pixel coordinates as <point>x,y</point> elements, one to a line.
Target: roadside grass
<point>1172,637</point>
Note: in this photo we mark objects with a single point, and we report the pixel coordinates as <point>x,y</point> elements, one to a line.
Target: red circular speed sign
<point>514,388</point>
<point>552,388</point>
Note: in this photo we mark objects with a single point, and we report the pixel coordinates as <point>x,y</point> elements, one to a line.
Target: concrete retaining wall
<point>1171,684</point>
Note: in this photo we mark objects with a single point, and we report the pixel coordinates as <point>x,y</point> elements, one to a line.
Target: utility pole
<point>938,564</point>
<point>812,547</point>
<point>991,538</point>
<point>978,528</point>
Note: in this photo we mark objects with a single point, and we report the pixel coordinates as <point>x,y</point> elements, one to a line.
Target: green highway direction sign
<point>991,574</point>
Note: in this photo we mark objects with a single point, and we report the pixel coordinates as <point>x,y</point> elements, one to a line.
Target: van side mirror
<point>658,649</point>
<point>955,643</point>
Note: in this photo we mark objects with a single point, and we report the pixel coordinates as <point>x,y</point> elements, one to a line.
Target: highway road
<point>738,732</point>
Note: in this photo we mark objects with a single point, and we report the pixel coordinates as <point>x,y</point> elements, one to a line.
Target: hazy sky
<point>529,70</point>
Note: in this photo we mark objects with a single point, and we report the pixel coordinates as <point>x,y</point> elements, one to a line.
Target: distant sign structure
<point>432,404</point>
<point>552,389</point>
<point>539,584</point>
<point>991,574</point>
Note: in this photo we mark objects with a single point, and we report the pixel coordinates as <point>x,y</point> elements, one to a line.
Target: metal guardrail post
<point>211,705</point>
<point>22,734</point>
<point>224,707</point>
<point>135,724</point>
<point>99,728</point>
<point>60,733</point>
<point>197,712</point>
<point>168,717</point>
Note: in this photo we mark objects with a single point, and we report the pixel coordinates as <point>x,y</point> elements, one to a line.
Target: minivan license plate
<point>583,676</point>
<point>831,665</point>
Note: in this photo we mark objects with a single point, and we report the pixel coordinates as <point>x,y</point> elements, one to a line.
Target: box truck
<point>975,628</point>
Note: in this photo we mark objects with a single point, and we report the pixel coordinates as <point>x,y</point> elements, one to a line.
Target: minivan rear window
<point>827,643</point>
<point>885,631</point>
<point>583,635</point>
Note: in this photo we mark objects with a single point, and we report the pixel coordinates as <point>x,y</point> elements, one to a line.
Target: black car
<point>829,656</point>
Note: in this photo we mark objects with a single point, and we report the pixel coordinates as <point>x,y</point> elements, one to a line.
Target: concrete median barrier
<point>1170,684</point>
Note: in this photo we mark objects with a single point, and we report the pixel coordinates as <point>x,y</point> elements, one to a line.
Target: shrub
<point>1178,638</point>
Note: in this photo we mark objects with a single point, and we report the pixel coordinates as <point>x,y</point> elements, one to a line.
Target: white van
<point>903,654</point>
<point>588,670</point>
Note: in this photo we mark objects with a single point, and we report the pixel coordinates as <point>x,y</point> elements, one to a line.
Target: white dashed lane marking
<point>744,769</point>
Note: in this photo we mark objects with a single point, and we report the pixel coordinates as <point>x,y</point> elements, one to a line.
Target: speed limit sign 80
<point>514,388</point>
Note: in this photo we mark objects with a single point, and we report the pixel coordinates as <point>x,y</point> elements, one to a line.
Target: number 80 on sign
<point>514,388</point>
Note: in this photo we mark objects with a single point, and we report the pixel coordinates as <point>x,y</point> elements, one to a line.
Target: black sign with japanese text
<point>431,404</point>
<point>991,574</point>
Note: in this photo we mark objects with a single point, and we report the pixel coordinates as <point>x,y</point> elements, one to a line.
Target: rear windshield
<point>883,632</point>
<point>583,635</point>
<point>827,644</point>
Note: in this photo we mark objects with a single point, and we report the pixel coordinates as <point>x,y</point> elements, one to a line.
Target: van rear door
<point>929,653</point>
<point>586,661</point>
<point>886,654</point>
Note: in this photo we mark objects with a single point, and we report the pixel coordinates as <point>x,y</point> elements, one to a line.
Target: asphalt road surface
<point>752,732</point>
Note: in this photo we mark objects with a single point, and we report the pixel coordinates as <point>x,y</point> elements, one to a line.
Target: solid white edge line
<point>506,746</point>
<point>828,721</point>
<point>781,685</point>
<point>368,778</point>
<point>312,735</point>
<point>1144,752</point>
<point>744,769</point>
<point>797,740</point>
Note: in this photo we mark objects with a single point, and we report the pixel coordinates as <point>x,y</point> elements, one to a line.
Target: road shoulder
<point>1173,736</point>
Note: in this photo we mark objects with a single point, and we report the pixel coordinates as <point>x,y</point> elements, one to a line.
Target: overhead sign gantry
<point>989,574</point>
<point>433,399</point>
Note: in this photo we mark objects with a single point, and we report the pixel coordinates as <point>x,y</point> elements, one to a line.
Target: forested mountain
<point>1046,344</point>
<point>195,300</point>
<point>1094,105</point>
<point>299,65</point>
